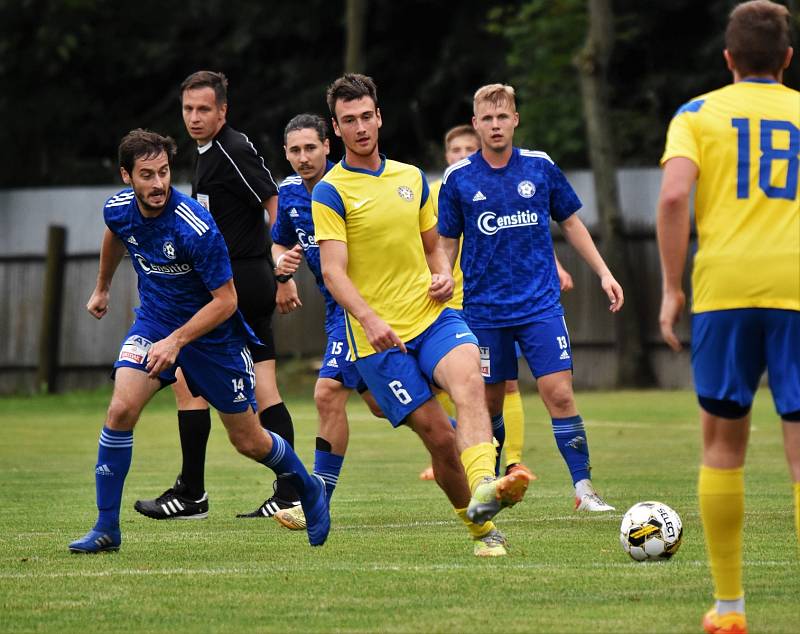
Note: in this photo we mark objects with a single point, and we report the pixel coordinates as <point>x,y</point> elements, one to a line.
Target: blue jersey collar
<point>759,80</point>
<point>361,170</point>
<point>511,161</point>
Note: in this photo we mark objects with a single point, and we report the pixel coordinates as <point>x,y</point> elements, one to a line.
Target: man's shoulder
<point>292,186</point>
<point>535,156</point>
<point>121,200</point>
<point>459,169</point>
<point>230,140</point>
<point>191,218</point>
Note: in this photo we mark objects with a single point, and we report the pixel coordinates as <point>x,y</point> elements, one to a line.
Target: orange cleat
<point>730,623</point>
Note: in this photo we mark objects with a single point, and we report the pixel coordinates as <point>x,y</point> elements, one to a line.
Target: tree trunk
<point>634,368</point>
<point>354,59</point>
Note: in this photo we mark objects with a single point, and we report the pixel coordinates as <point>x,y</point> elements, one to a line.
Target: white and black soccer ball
<point>651,531</point>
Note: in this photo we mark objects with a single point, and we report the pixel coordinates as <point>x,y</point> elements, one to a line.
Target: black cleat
<point>271,505</point>
<point>173,504</point>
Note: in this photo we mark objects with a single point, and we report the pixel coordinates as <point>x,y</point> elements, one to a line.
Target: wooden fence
<point>87,348</point>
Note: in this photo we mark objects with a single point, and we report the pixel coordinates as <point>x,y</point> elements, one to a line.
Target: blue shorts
<point>335,364</point>
<point>544,344</point>
<point>401,382</point>
<point>224,377</point>
<point>732,348</point>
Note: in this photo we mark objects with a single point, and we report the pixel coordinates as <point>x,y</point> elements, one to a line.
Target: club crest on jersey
<point>490,223</point>
<point>406,193</point>
<point>526,189</point>
<point>169,250</point>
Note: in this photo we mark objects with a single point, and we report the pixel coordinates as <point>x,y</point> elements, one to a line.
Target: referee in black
<point>232,181</point>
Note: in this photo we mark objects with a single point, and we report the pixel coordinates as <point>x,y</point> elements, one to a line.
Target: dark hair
<point>207,79</point>
<point>349,87</point>
<point>305,121</point>
<point>141,143</point>
<point>757,37</point>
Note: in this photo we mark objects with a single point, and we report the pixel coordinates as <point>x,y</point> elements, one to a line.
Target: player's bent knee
<point>122,415</point>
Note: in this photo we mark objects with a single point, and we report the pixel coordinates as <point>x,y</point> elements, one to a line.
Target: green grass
<point>397,559</point>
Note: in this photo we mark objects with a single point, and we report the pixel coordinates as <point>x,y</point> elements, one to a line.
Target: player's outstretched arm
<point>163,353</point>
<point>111,252</point>
<point>333,256</point>
<point>442,284</point>
<point>672,231</point>
<point>579,237</point>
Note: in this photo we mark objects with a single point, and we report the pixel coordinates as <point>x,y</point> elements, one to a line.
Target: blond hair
<point>495,94</point>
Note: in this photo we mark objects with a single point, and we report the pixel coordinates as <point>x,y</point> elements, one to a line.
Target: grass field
<point>397,560</point>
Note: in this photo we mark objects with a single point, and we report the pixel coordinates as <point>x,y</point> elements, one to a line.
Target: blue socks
<point>284,462</point>
<point>114,455</point>
<point>571,441</point>
<point>499,433</point>
<point>328,466</point>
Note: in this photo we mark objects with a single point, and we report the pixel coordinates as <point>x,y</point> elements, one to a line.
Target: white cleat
<point>593,503</point>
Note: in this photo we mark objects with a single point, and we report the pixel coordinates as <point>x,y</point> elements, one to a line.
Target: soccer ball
<point>650,531</point>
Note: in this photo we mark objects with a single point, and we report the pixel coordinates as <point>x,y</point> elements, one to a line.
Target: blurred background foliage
<point>77,74</point>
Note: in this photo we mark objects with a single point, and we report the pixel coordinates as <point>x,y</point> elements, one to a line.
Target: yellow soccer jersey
<point>380,216</point>
<point>745,140</point>
<point>457,301</point>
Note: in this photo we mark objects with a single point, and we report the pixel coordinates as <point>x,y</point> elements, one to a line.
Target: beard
<point>145,206</point>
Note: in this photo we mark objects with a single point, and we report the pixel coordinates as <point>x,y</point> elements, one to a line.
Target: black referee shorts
<point>255,287</point>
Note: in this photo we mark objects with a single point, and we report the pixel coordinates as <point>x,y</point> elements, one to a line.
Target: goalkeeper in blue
<point>501,199</point>
<point>187,319</point>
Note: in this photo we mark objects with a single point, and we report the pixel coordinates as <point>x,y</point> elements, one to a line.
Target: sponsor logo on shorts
<point>564,356</point>
<point>486,368</point>
<point>240,398</point>
<point>459,335</point>
<point>332,363</point>
<point>135,349</point>
<point>490,223</point>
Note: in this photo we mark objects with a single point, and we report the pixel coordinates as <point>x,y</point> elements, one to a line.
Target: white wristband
<point>278,261</point>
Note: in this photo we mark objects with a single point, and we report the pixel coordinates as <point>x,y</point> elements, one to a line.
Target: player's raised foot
<point>493,544</point>
<point>491,495</point>
<point>427,474</point>
<point>730,623</point>
<point>315,509</point>
<point>294,519</point>
<point>174,504</point>
<point>592,503</point>
<point>517,466</point>
<point>272,505</point>
<point>97,542</point>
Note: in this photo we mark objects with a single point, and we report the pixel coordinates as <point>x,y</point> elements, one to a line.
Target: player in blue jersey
<point>501,200</point>
<point>376,231</point>
<point>187,319</point>
<point>307,147</point>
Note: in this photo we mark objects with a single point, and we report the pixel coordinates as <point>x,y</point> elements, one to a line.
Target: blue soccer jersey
<point>504,214</point>
<point>295,225</point>
<point>179,257</point>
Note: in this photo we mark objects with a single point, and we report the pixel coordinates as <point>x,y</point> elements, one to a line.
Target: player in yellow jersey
<point>367,212</point>
<point>740,147</point>
<point>459,142</point>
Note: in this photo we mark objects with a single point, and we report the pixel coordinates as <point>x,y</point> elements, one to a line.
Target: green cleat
<point>292,518</point>
<point>493,544</point>
<point>491,496</point>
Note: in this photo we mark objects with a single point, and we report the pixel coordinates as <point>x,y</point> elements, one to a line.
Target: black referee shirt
<point>232,181</point>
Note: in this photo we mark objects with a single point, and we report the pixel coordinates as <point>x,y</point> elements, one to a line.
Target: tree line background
<point>76,75</point>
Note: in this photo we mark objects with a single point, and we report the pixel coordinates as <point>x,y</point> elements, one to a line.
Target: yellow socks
<point>476,530</point>
<point>447,403</point>
<point>478,462</point>
<point>514,419</point>
<point>721,496</point>
<point>797,510</point>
